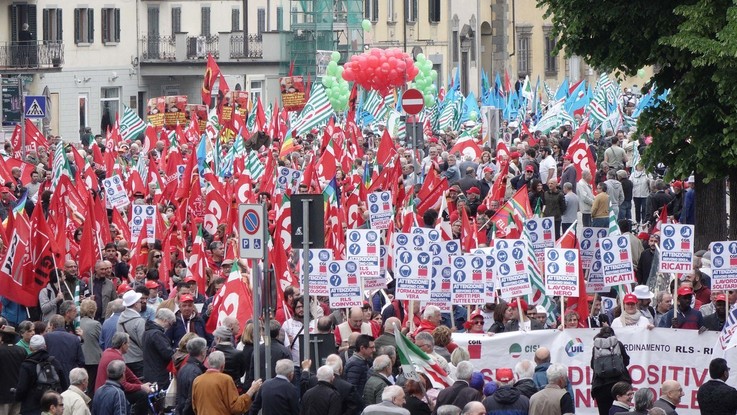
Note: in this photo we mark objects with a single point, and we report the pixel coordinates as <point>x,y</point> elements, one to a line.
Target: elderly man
<point>71,282</point>
<point>392,402</point>
<point>214,392</point>
<point>323,398</point>
<point>28,391</point>
<point>350,400</point>
<point>110,398</point>
<point>431,318</point>
<point>101,287</point>
<point>523,372</point>
<point>236,361</point>
<point>157,350</point>
<point>131,322</point>
<point>459,393</point>
<point>670,397</point>
<point>136,392</point>
<point>585,196</point>
<point>507,399</point>
<point>553,399</point>
<point>379,379</point>
<point>75,400</point>
<point>110,325</point>
<point>197,349</point>
<point>278,395</point>
<point>355,324</point>
<point>187,320</point>
<point>65,347</point>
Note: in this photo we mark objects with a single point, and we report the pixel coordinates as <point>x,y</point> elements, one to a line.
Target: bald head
<point>336,363</point>
<point>355,317</point>
<point>542,355</point>
<point>670,386</point>
<point>389,324</point>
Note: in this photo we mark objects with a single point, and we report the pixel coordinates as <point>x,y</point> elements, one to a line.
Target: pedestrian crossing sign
<point>35,106</point>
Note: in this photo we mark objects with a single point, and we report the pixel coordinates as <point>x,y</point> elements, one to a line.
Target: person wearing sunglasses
<point>476,323</point>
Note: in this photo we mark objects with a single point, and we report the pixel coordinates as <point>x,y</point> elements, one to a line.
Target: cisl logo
<point>574,347</point>
<point>515,350</point>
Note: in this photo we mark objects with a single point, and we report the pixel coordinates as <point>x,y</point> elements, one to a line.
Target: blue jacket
<point>356,372</point>
<point>687,213</point>
<point>540,377</point>
<point>13,312</point>
<point>110,400</point>
<point>109,328</point>
<point>196,324</point>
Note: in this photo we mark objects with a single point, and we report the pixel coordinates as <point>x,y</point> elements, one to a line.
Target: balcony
<point>158,48</point>
<point>28,55</point>
<point>254,50</point>
<point>184,48</point>
<point>198,47</point>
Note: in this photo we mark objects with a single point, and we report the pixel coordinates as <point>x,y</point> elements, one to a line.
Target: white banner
<point>510,268</point>
<point>616,263</point>
<point>143,214</point>
<point>380,209</point>
<point>318,270</point>
<point>468,273</point>
<point>724,265</point>
<point>655,356</point>
<point>410,285</point>
<point>676,248</point>
<point>589,244</point>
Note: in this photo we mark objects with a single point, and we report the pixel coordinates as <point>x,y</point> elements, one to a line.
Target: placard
<point>676,248</point>
<point>589,244</point>
<point>724,265</point>
<point>155,110</point>
<point>380,209</point>
<point>293,93</point>
<point>541,236</point>
<point>490,280</point>
<point>616,260</point>
<point>561,272</point>
<point>595,280</point>
<point>287,178</point>
<point>143,214</point>
<point>318,260</point>
<point>468,274</point>
<point>344,289</point>
<point>363,246</point>
<point>115,192</point>
<point>410,285</point>
<point>440,285</point>
<point>511,268</point>
<point>176,111</point>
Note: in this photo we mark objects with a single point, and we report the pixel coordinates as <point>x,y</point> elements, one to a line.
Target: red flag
<point>16,282</point>
<point>212,72</point>
<point>434,197</point>
<point>198,262</point>
<point>216,211</point>
<point>45,254</point>
<point>386,149</point>
<point>470,238</point>
<point>88,245</point>
<point>510,217</point>
<point>326,165</point>
<point>235,299</point>
<point>121,224</point>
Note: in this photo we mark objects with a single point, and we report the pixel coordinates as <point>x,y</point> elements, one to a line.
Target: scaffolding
<point>322,25</point>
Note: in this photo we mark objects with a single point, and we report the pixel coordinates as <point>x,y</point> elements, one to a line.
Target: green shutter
<point>77,32</point>
<point>91,25</point>
<point>117,25</point>
<point>103,23</point>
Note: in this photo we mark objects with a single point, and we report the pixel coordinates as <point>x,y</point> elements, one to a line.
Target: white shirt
<point>292,328</point>
<point>545,165</point>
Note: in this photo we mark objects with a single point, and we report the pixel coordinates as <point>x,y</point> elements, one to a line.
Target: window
<point>176,20</point>
<point>410,11</point>
<point>83,111</point>
<point>524,50</point>
<point>110,25</point>
<point>261,24</point>
<point>109,106</point>
<point>390,11</point>
<point>205,24</point>
<point>279,18</point>
<point>551,60</point>
<point>434,11</point>
<point>52,25</point>
<point>371,10</point>
<point>255,90</point>
<point>235,20</point>
<point>84,25</point>
<point>455,46</point>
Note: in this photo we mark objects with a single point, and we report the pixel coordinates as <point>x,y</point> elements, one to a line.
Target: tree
<point>692,44</point>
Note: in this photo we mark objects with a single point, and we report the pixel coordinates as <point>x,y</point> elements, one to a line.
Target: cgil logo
<point>574,347</point>
<point>515,350</point>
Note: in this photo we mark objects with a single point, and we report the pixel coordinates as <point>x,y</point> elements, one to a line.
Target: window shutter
<point>176,20</point>
<point>374,10</point>
<point>117,25</point>
<point>32,21</point>
<point>406,11</point>
<point>13,23</point>
<point>91,25</point>
<point>279,19</point>
<point>104,23</point>
<point>366,9</point>
<point>77,32</point>
<point>235,20</point>
<point>46,25</point>
<point>59,28</point>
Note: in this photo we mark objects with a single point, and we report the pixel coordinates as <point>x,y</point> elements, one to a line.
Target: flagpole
<point>519,310</point>
<point>563,310</point>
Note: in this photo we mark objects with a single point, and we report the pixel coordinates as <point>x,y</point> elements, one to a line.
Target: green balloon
<point>421,57</point>
<point>335,56</point>
<point>366,25</point>
<point>434,75</point>
<point>429,101</point>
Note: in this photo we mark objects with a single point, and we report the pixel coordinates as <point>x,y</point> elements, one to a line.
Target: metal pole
<point>258,311</point>
<point>305,272</point>
<point>22,120</point>
<point>256,323</point>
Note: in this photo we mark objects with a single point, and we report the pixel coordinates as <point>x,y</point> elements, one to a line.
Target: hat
<point>642,292</point>
<point>490,388</point>
<point>476,313</point>
<point>530,168</point>
<point>151,284</point>
<point>540,310</point>
<point>7,329</point>
<point>476,381</point>
<point>37,342</point>
<point>513,124</point>
<point>691,179</point>
<point>481,209</point>
<point>223,332</point>
<point>567,157</point>
<point>685,291</point>
<point>474,190</point>
<point>721,297</point>
<point>4,189</point>
<point>131,297</point>
<point>122,288</point>
<point>523,304</point>
<point>190,279</point>
<point>455,187</point>
<point>677,184</point>
<point>630,299</point>
<point>488,170</point>
<point>185,298</point>
<point>504,374</point>
<point>514,155</point>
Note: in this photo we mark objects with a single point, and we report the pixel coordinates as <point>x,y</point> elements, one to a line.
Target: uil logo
<point>574,347</point>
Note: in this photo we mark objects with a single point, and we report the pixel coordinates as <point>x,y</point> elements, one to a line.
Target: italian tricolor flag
<point>414,360</point>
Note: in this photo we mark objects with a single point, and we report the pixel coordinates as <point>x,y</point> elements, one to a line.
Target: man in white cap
<point>541,315</point>
<point>644,298</point>
<point>134,325</point>
<point>29,391</point>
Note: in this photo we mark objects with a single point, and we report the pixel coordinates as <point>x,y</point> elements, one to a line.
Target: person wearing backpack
<point>39,373</point>
<point>609,362</point>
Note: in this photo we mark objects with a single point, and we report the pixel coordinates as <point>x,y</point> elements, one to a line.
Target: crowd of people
<point>118,340</point>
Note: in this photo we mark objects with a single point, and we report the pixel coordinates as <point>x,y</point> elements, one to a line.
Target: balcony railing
<point>33,54</point>
<point>199,46</point>
<point>158,48</point>
<point>239,51</point>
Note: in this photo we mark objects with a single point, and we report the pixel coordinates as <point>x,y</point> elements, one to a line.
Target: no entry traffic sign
<point>413,101</point>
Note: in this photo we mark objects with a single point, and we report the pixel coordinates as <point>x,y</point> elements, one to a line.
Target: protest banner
<point>344,289</point>
<point>318,270</point>
<point>380,209</point>
<point>410,285</point>
<point>676,248</point>
<point>541,236</point>
<point>175,111</point>
<point>589,243</point>
<point>561,272</point>
<point>143,214</point>
<point>155,109</point>
<point>293,96</point>
<point>363,246</point>
<point>510,270</point>
<point>467,285</point>
<point>489,280</point>
<point>287,178</point>
<point>595,280</point>
<point>115,193</point>
<point>655,356</point>
<point>616,263</point>
<point>440,285</point>
<point>724,265</point>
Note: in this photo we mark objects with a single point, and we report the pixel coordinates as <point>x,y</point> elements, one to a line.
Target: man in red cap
<point>519,321</point>
<point>187,320</point>
<point>506,399</point>
<point>715,321</point>
<point>474,199</point>
<point>524,178</point>
<point>685,316</point>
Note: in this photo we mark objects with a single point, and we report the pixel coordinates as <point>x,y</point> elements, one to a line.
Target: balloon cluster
<point>336,87</point>
<point>425,80</point>
<point>380,69</point>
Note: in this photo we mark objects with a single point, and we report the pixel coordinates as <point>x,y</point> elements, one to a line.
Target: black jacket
<point>416,406</point>
<point>185,379</point>
<point>356,372</point>
<point>714,322</point>
<point>236,364</point>
<point>526,387</point>
<point>157,353</point>
<point>507,401</point>
<point>27,393</point>
<point>351,401</point>
<point>458,394</point>
<point>196,324</point>
<point>322,399</point>
<point>11,359</point>
<point>717,398</point>
<point>278,397</point>
<point>278,352</point>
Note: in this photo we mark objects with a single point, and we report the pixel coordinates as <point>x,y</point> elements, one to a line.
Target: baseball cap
<point>474,190</point>
<point>630,299</point>
<point>504,374</point>
<point>523,304</point>
<point>514,155</point>
<point>530,168</point>
<point>185,298</point>
<point>685,291</point>
<point>721,297</point>
<point>122,288</point>
<point>488,170</point>
<point>150,284</point>
<point>677,184</point>
<point>190,279</point>
<point>131,297</point>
